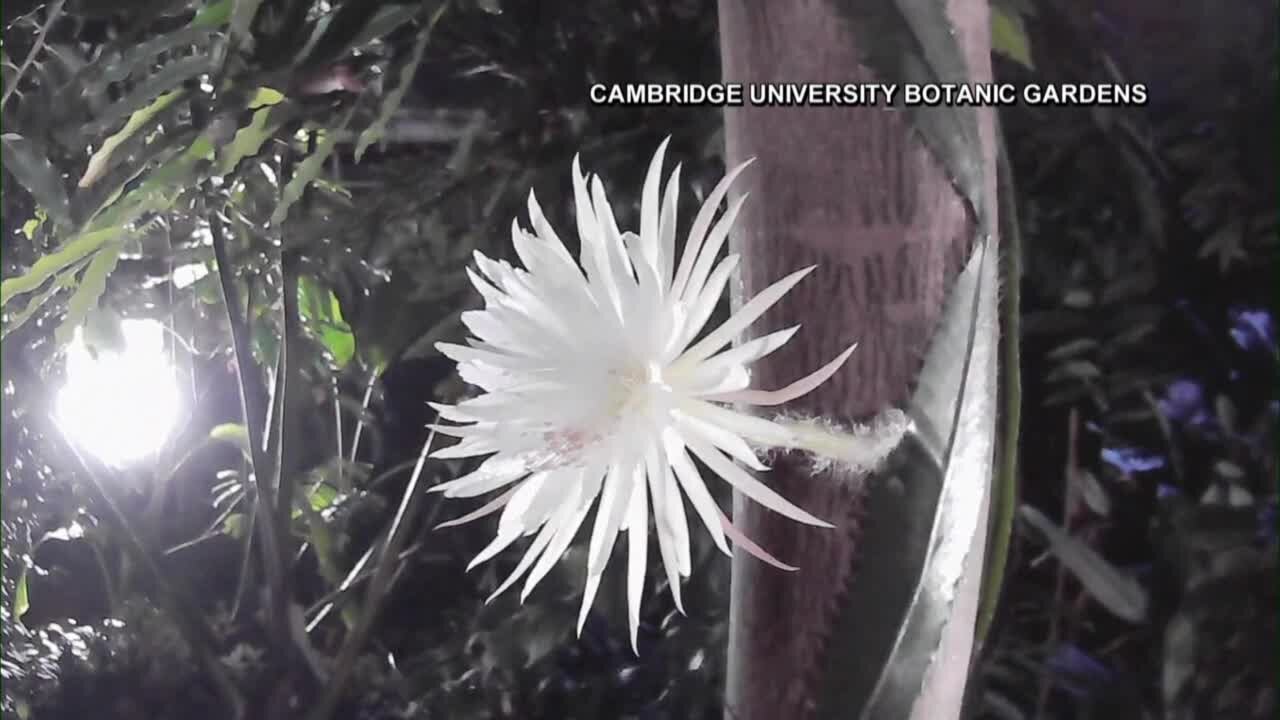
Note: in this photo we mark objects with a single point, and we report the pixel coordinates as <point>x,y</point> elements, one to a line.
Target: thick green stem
<point>265,526</point>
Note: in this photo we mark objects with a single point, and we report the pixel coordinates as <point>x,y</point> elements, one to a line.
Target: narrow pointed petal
<point>588,597</point>
<point>701,222</point>
<point>492,474</point>
<point>535,550</point>
<point>487,509</point>
<point>741,540</point>
<point>799,388</point>
<point>735,446</point>
<point>544,230</point>
<point>638,544</point>
<point>560,543</point>
<point>664,520</point>
<point>752,350</point>
<point>609,516</point>
<point>706,303</point>
<point>679,526</point>
<point>751,487</point>
<point>667,229</point>
<point>710,251</point>
<point>755,429</point>
<point>746,315</point>
<point>500,542</point>
<point>649,208</point>
<point>687,475</point>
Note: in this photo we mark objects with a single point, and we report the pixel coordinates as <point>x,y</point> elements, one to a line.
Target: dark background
<point>1149,242</point>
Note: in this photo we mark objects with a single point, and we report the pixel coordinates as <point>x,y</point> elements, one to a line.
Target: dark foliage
<point>1150,358</point>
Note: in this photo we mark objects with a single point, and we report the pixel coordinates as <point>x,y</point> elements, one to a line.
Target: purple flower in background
<point>1253,329</point>
<point>1164,491</point>
<point>1268,522</point>
<point>1130,460</point>
<point>1078,672</point>
<point>1184,402</point>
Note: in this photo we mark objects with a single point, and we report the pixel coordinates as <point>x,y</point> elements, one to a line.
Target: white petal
<point>492,474</point>
<point>746,315</point>
<point>679,524</point>
<point>613,503</point>
<point>702,308</point>
<point>749,486</point>
<point>504,360</point>
<point>703,504</point>
<point>638,543</point>
<point>710,251</point>
<point>649,208</point>
<point>750,351</point>
<point>609,517</point>
<point>544,231</point>
<point>614,253</point>
<point>759,430</point>
<point>741,540</point>
<point>470,447</point>
<point>801,387</point>
<point>564,535</point>
<point>658,475</point>
<point>487,509</point>
<point>500,542</point>
<point>540,544</point>
<point>719,437</point>
<point>701,222</point>
<point>667,229</point>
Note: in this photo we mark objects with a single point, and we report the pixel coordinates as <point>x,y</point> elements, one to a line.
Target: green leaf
<point>213,16</point>
<point>49,264</point>
<point>309,169</point>
<point>1116,591</point>
<point>265,96</point>
<point>21,602</point>
<point>160,190</point>
<point>34,171</point>
<point>1009,37</point>
<point>391,102</point>
<point>32,225</point>
<point>1073,347</point>
<point>99,162</point>
<point>1004,488</point>
<point>233,433</point>
<point>321,496</point>
<point>248,141</point>
<point>322,314</point>
<point>92,284</point>
<point>170,77</point>
<point>65,281</point>
<point>139,59</point>
<point>235,525</point>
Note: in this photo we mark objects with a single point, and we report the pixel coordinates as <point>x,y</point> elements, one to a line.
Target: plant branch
<point>388,562</point>
<point>264,509</point>
<point>54,12</point>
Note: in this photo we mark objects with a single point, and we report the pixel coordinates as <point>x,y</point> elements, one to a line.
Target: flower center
<point>637,388</point>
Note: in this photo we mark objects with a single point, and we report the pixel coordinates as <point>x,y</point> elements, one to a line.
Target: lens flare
<point>120,405</point>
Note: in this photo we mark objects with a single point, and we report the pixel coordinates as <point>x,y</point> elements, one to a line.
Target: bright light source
<point>120,406</point>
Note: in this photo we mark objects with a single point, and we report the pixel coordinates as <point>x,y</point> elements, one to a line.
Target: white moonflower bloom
<point>596,385</point>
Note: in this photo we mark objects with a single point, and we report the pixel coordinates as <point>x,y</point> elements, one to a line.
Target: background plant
<point>342,160</point>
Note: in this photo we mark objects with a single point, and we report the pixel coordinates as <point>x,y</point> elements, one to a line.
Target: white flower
<point>594,387</point>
